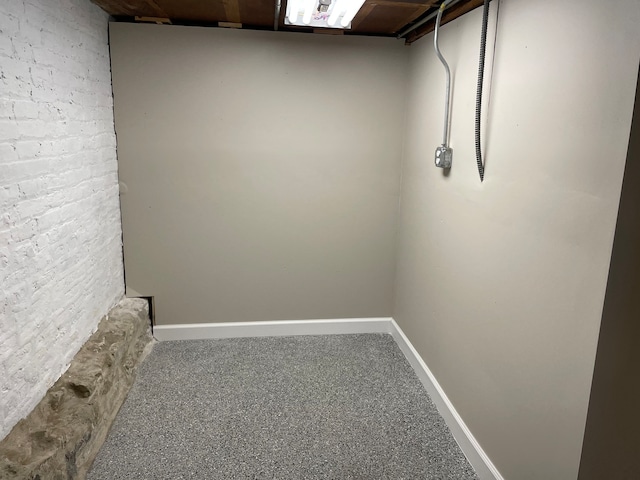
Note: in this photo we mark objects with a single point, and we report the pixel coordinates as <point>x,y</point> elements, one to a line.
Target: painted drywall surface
<point>611,446</point>
<point>501,284</point>
<point>262,171</point>
<point>60,235</point>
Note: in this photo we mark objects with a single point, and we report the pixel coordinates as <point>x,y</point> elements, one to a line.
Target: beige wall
<point>229,215</point>
<point>262,171</point>
<point>611,446</point>
<point>501,284</point>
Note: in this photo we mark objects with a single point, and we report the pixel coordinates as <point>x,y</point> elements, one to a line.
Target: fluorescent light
<point>351,12</point>
<point>339,6</point>
<point>339,14</point>
<point>310,6</point>
<point>293,6</point>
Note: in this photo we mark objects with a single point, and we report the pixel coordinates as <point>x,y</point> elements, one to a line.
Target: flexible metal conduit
<point>483,49</point>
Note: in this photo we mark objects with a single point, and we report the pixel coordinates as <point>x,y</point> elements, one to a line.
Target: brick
<point>8,153</point>
<point>10,26</point>
<point>31,187</point>
<point>6,46</point>
<point>13,8</point>
<point>18,171</point>
<point>28,149</point>
<point>60,253</point>
<point>25,110</point>
<point>9,130</point>
<point>6,109</point>
<point>9,194</point>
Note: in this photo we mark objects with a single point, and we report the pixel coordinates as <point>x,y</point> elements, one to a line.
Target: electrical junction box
<point>444,156</point>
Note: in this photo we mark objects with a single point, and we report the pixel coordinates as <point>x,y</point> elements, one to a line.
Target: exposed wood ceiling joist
<point>377,17</point>
<point>450,14</point>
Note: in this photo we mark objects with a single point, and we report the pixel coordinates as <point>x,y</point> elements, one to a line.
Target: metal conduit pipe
<point>423,21</point>
<point>483,49</point>
<point>444,154</point>
<point>276,18</point>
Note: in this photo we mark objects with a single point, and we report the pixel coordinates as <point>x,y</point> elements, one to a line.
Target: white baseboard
<point>478,459</point>
<point>200,331</point>
<point>468,444</point>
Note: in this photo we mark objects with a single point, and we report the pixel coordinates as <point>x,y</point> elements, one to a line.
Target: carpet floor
<point>303,407</point>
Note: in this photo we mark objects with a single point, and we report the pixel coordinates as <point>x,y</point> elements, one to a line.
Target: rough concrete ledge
<point>62,435</point>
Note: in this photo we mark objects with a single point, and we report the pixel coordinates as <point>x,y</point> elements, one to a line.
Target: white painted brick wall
<point>60,234</point>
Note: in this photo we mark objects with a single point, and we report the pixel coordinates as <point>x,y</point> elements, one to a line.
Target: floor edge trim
<point>476,456</point>
<point>280,328</point>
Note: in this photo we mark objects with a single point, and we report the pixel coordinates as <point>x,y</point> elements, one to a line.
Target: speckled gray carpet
<point>312,407</point>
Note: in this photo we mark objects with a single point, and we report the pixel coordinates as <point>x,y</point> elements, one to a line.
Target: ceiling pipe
<point>276,19</point>
<point>423,21</point>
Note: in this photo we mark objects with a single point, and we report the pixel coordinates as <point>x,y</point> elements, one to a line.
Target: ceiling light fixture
<point>322,13</point>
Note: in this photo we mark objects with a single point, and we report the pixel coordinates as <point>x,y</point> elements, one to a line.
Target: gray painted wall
<point>501,284</point>
<point>262,171</point>
<point>611,447</point>
<point>230,216</point>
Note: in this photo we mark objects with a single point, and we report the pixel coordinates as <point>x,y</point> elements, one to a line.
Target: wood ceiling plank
<point>417,7</point>
<point>156,20</point>
<point>159,11</point>
<point>362,15</point>
<point>259,12</point>
<point>404,3</point>
<point>194,10</point>
<point>377,17</point>
<point>417,13</point>
<point>449,15</point>
<point>129,8</point>
<point>232,11</point>
<point>388,18</point>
